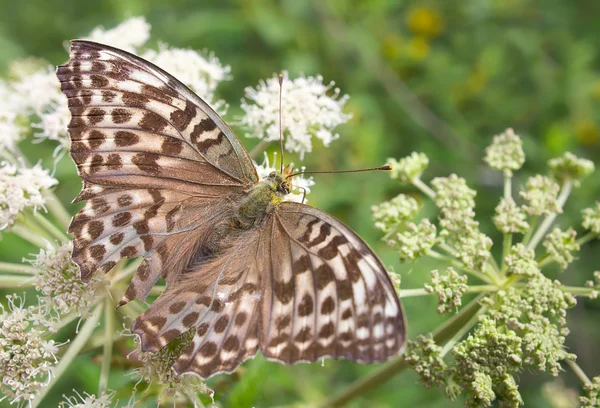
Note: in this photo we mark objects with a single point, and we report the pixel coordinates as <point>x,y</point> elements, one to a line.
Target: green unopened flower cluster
<point>456,202</point>
<point>537,312</point>
<point>591,218</point>
<point>510,218</point>
<point>521,261</point>
<point>518,321</point>
<point>560,246</point>
<point>414,241</point>
<point>390,215</point>
<point>506,152</point>
<point>594,285</point>
<point>486,362</point>
<point>409,168</point>
<point>591,399</point>
<point>541,195</point>
<point>570,167</point>
<point>449,288</point>
<point>424,356</point>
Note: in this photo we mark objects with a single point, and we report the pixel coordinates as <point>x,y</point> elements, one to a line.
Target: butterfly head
<point>281,183</point>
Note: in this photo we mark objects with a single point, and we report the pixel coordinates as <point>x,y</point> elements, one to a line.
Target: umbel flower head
<point>60,282</point>
<point>408,168</point>
<point>570,167</point>
<point>21,188</point>
<point>309,107</point>
<point>506,152</point>
<point>26,359</point>
<point>389,215</point>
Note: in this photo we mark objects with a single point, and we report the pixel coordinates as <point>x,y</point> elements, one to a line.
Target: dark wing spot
<point>123,138</point>
<point>121,219</point>
<point>306,305</point>
<point>328,305</point>
<point>116,238</point>
<point>221,324</point>
<point>190,319</point>
<point>153,122</point>
<point>120,115</point>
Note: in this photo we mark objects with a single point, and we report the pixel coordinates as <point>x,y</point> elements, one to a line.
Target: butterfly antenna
<point>280,122</point>
<point>386,167</point>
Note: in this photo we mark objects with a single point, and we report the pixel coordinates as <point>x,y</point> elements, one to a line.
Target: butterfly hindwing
<point>153,156</point>
<point>299,287</point>
<point>331,296</point>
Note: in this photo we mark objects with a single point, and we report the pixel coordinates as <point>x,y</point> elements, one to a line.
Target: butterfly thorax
<point>263,198</point>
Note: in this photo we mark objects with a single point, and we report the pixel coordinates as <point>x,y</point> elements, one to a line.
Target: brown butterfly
<point>167,180</point>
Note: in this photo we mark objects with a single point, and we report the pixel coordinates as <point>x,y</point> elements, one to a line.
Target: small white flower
<point>86,400</point>
<point>129,35</point>
<point>36,93</point>
<point>202,72</point>
<point>60,283</point>
<point>307,111</point>
<point>21,188</point>
<point>300,184</point>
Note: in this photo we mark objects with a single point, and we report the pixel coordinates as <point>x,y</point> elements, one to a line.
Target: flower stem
<point>55,207</point>
<point>545,225</point>
<point>50,227</point>
<point>386,371</point>
<point>532,225</point>
<point>579,372</point>
<point>462,331</point>
<point>506,245</point>
<point>109,320</point>
<point>66,359</point>
<point>259,148</point>
<point>507,185</point>
<point>578,290</point>
<point>29,236</point>
<point>458,265</point>
<point>586,238</point>
<point>425,189</point>
<point>404,293</point>
<point>12,281</point>
<point>194,399</point>
<point>19,268</point>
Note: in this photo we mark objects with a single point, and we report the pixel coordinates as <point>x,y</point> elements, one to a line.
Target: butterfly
<point>165,178</point>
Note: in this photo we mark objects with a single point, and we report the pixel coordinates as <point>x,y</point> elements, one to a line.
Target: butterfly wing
<point>331,295</point>
<point>155,159</point>
<point>299,287</point>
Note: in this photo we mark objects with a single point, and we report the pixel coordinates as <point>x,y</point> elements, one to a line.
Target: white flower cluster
<point>308,107</point>
<point>129,35</point>
<point>202,73</point>
<point>88,401</point>
<point>60,282</point>
<point>26,359</point>
<point>300,185</point>
<point>36,96</point>
<point>21,188</point>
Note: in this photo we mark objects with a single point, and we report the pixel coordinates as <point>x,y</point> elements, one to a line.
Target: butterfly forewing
<point>155,160</point>
<point>164,178</point>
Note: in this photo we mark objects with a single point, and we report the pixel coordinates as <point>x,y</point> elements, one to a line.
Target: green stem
<point>109,315</point>
<point>67,358</point>
<point>51,228</point>
<point>579,372</point>
<point>462,331</point>
<point>458,265</point>
<point>404,293</point>
<point>425,189</point>
<point>388,370</point>
<point>532,225</point>
<point>157,290</point>
<point>194,399</point>
<point>545,225</point>
<point>29,236</point>
<point>578,290</point>
<point>57,209</point>
<point>507,185</point>
<point>13,281</point>
<point>506,245</point>
<point>19,268</point>
<point>64,321</point>
<point>586,238</point>
<point>259,148</point>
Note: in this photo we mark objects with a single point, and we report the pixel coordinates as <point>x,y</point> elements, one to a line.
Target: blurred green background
<point>441,77</point>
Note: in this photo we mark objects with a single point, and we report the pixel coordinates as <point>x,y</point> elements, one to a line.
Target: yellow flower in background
<point>424,21</point>
<point>417,48</point>
<point>392,46</point>
<point>587,132</point>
